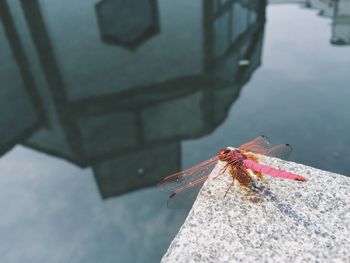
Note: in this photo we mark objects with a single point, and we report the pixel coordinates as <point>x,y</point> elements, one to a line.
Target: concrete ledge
<point>295,222</point>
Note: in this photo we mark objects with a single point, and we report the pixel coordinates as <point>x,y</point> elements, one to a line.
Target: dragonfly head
<point>224,154</point>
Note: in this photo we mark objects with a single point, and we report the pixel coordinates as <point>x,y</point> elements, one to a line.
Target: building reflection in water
<point>19,98</point>
<point>121,107</point>
<point>339,12</point>
<point>125,113</point>
<point>127,23</point>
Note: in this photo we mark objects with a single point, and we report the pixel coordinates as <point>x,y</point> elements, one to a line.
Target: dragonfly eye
<point>226,151</point>
<point>223,154</point>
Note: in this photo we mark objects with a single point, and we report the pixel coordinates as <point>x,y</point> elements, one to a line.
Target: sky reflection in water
<point>126,105</point>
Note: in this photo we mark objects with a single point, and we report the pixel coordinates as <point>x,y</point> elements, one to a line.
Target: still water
<point>101,99</point>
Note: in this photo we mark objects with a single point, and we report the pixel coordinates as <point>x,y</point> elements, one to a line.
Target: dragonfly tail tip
<point>300,178</point>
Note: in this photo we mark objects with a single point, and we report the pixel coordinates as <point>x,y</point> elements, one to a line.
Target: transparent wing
<point>185,197</point>
<point>281,151</point>
<point>261,145</point>
<point>187,177</point>
<point>261,141</point>
<point>185,185</point>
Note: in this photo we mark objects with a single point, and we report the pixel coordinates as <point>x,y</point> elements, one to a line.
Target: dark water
<point>100,100</point>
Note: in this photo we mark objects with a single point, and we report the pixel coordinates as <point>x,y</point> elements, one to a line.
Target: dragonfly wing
<point>260,142</point>
<point>261,145</point>
<point>187,177</point>
<point>281,151</point>
<point>185,197</point>
<point>185,185</point>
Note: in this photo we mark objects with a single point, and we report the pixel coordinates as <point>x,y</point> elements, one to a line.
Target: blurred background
<point>100,100</point>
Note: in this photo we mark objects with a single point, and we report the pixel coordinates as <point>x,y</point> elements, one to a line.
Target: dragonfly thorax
<point>228,155</point>
<point>238,155</point>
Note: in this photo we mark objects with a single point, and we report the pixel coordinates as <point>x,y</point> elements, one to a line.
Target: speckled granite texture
<point>295,222</point>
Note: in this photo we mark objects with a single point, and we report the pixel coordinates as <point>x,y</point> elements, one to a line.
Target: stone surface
<point>294,222</point>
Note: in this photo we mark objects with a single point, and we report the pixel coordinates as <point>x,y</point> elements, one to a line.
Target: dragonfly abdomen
<point>272,171</point>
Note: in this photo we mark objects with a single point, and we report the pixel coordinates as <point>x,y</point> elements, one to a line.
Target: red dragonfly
<point>236,163</point>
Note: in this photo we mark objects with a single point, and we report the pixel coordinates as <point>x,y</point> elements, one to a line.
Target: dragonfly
<point>237,163</point>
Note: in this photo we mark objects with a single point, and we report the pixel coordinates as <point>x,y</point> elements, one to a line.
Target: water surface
<point>101,100</point>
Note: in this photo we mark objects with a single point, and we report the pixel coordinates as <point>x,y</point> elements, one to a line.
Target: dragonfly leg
<point>228,189</point>
<point>222,170</point>
<point>259,175</point>
<point>255,180</point>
